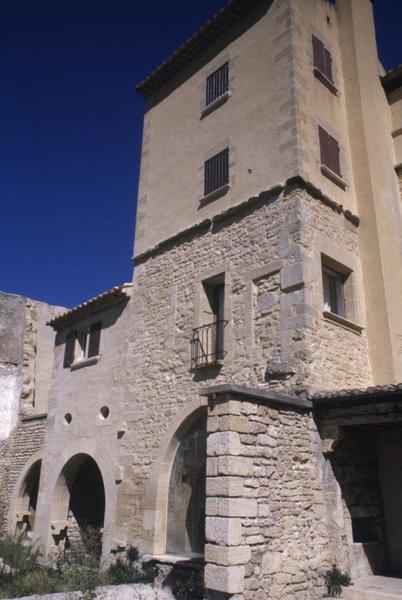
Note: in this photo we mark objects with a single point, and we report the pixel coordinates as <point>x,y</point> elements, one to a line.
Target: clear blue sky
<point>71,126</point>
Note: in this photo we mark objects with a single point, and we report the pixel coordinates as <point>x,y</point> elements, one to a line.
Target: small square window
<point>82,345</point>
<point>217,84</point>
<point>216,172</point>
<point>334,299</point>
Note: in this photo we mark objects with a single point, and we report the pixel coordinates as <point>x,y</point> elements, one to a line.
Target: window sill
<point>215,195</point>
<point>215,104</point>
<point>327,82</point>
<point>334,318</point>
<point>333,177</point>
<point>84,362</point>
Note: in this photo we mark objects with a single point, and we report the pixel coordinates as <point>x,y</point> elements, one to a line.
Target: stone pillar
<point>226,503</point>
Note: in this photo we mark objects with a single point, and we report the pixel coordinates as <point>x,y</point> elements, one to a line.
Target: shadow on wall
<point>355,466</point>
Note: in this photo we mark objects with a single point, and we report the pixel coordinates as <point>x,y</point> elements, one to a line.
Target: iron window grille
<point>217,84</point>
<point>216,172</point>
<point>207,344</point>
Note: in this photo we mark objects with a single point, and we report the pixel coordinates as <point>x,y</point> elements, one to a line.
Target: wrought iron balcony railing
<point>207,344</point>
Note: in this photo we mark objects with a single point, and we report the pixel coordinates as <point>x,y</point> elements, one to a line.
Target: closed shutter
<point>328,64</point>
<point>94,339</point>
<point>216,172</point>
<point>335,164</point>
<point>318,54</point>
<point>69,352</point>
<point>324,147</point>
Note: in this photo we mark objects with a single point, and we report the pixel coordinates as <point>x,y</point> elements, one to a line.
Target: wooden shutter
<point>318,54</point>
<point>94,339</point>
<point>69,351</point>
<point>334,164</point>
<point>324,147</point>
<point>327,64</point>
<point>216,172</point>
<point>217,84</point>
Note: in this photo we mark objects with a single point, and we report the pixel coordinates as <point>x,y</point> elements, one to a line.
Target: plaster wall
<point>257,123</point>
<point>81,391</point>
<point>376,187</point>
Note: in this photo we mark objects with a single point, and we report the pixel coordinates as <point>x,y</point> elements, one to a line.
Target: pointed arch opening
<point>185,531</point>
<point>27,499</point>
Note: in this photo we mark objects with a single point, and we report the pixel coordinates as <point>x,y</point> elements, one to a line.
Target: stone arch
<point>157,491</point>
<point>79,499</point>
<point>25,496</point>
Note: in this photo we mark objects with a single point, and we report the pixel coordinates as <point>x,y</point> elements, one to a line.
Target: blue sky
<point>71,126</point>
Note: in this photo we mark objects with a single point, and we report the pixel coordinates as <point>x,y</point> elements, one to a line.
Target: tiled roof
<point>373,391</point>
<point>116,294</point>
<point>211,31</point>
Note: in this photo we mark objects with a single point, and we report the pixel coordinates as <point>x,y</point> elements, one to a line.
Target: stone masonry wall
<point>266,528</point>
<point>25,441</point>
<point>273,338</point>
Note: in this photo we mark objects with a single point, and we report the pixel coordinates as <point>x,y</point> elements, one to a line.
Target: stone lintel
<point>261,396</point>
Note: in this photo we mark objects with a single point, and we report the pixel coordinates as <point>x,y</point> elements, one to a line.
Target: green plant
<point>334,580</point>
<point>128,569</point>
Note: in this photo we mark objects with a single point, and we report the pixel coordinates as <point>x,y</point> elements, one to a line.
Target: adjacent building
<point>237,405</point>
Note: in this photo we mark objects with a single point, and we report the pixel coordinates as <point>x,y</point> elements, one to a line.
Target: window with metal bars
<point>322,58</point>
<point>216,172</point>
<point>329,149</point>
<point>217,84</point>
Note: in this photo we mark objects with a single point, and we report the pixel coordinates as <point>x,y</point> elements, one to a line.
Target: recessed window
<point>82,344</point>
<point>329,152</point>
<point>208,340</point>
<point>322,58</point>
<point>216,172</point>
<point>217,84</point>
<point>334,299</point>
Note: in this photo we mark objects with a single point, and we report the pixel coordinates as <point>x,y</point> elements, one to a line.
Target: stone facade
<point>119,393</point>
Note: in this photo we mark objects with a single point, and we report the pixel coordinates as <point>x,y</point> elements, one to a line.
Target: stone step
<point>374,588</point>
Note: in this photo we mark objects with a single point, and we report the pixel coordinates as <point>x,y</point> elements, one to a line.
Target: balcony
<point>207,344</point>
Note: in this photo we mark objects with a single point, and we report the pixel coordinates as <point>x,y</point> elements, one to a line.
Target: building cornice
<point>291,185</point>
<point>251,394</point>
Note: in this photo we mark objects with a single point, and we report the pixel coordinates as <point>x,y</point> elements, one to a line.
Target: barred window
<point>216,172</point>
<point>217,84</point>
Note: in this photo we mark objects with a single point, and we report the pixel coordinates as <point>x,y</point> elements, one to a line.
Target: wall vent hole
<point>67,419</point>
<point>104,412</point>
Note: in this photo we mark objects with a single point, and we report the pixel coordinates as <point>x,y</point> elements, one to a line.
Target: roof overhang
<point>195,45</point>
<point>91,307</point>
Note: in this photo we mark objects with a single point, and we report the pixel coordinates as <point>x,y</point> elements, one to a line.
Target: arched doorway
<point>185,535</point>
<point>79,503</point>
<point>27,499</point>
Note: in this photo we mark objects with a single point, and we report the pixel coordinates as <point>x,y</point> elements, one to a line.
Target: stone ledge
<point>270,397</point>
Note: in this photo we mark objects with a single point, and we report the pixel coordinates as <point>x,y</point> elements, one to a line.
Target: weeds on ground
<point>334,580</point>
<point>76,568</point>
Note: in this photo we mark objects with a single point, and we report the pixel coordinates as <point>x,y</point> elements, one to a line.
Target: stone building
<point>237,405</point>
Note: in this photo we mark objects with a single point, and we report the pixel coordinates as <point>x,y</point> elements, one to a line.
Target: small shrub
<point>334,580</point>
<point>128,569</point>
